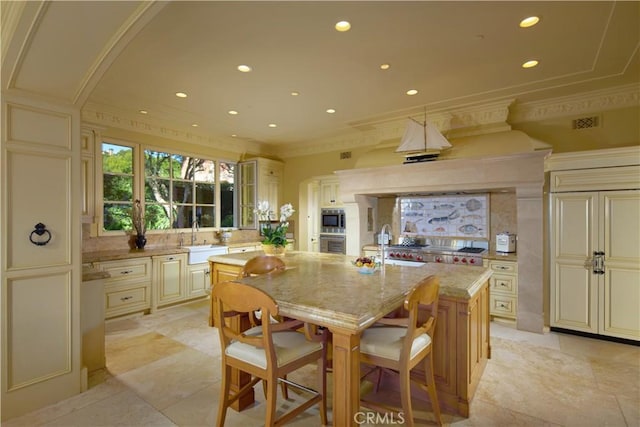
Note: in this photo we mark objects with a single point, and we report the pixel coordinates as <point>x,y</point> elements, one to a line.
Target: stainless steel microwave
<point>332,221</point>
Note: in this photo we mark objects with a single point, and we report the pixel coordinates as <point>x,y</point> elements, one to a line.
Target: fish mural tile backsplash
<point>446,216</point>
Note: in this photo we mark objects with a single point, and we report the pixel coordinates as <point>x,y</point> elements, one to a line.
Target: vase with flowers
<point>137,219</point>
<point>274,239</point>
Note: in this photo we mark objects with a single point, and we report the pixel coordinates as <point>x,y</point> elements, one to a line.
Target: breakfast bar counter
<point>327,290</point>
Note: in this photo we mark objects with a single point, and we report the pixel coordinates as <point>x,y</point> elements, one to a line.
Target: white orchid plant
<point>274,236</point>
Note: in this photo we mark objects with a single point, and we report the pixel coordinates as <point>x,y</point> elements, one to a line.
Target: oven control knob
<point>464,260</point>
<point>392,255</point>
<point>472,261</point>
<point>438,259</point>
<point>404,256</point>
<point>419,258</point>
<point>410,256</point>
<point>456,259</point>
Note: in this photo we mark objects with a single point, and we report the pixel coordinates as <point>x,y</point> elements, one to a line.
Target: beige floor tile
<point>132,352</point>
<point>163,370</point>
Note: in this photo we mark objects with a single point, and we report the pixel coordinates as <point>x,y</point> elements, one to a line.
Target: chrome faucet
<point>194,228</point>
<point>382,237</point>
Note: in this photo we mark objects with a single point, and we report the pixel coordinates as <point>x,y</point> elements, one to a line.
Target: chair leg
<point>405,396</point>
<point>322,382</point>
<point>284,389</point>
<point>224,396</point>
<point>431,387</point>
<point>272,395</point>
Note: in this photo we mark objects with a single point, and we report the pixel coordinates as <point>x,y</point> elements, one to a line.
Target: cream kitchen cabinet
<point>128,290</point>
<point>330,193</point>
<point>259,180</point>
<point>503,289</point>
<point>169,279</point>
<point>242,249</point>
<point>595,256</point>
<point>198,281</point>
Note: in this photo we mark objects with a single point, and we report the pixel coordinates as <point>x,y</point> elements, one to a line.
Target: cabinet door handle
<point>125,298</point>
<point>126,271</point>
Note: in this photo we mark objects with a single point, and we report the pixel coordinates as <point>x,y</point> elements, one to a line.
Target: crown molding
<point>93,114</point>
<point>464,121</point>
<point>574,105</point>
<point>610,157</point>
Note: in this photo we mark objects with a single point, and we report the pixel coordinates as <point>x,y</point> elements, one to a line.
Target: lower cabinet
<point>128,290</point>
<point>221,273</point>
<point>198,281</point>
<point>503,289</point>
<point>462,349</point>
<point>169,279</point>
<point>241,249</point>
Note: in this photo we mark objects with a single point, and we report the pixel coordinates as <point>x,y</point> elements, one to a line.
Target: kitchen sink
<point>199,253</point>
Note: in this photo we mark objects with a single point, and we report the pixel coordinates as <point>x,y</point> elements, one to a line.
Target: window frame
<point>139,179</point>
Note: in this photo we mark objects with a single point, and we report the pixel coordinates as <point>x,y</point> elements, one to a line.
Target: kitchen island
<point>326,289</point>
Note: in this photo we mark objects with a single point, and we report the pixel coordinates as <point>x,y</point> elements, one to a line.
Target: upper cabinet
<point>259,180</point>
<point>330,193</point>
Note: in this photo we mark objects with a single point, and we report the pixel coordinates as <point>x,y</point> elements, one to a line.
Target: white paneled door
<point>595,262</point>
<point>41,340</point>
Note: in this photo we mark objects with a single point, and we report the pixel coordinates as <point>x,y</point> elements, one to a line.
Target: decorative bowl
<point>366,269</point>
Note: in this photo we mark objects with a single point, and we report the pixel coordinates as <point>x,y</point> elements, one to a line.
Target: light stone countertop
<point>90,274</point>
<point>314,284</point>
<point>117,254</point>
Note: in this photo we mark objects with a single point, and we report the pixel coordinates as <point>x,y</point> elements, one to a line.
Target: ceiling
<point>130,56</point>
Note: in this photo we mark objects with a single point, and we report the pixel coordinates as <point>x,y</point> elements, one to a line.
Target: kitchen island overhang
<point>327,290</point>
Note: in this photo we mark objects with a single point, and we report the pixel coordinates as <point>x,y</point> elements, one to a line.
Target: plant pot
<point>140,241</point>
<point>273,249</point>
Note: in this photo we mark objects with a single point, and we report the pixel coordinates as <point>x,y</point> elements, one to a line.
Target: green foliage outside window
<point>178,189</point>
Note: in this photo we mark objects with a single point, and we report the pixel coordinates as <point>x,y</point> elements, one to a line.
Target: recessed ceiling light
<point>233,135</point>
<point>331,110</point>
<point>244,68</point>
<point>294,93</point>
<point>233,112</point>
<point>529,22</point>
<point>181,94</point>
<point>343,26</point>
<point>412,92</point>
<point>273,125</point>
<point>384,66</point>
<point>530,64</point>
<point>143,111</point>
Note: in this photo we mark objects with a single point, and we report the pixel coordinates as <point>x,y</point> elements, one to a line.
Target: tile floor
<point>164,369</point>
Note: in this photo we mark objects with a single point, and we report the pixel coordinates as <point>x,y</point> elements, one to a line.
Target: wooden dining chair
<point>267,356</point>
<point>258,265</point>
<point>399,344</point>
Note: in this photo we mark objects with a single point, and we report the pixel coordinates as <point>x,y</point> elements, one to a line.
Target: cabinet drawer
<point>138,269</point>
<point>242,249</point>
<point>121,300</point>
<point>504,267</point>
<point>504,284</point>
<point>500,305</point>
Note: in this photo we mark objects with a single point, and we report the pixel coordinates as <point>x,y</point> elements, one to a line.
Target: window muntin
<point>176,188</point>
<point>179,190</point>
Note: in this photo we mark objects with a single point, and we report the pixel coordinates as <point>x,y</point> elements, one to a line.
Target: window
<point>117,186</point>
<point>178,189</point>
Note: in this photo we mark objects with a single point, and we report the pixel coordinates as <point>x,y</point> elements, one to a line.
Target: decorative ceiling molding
<point>585,103</point>
<point>121,121</point>
<point>475,119</point>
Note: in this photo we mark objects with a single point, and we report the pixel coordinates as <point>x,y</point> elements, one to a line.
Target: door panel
<point>574,292</point>
<point>619,307</point>
<point>40,298</point>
